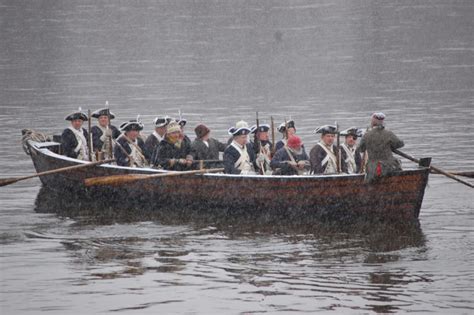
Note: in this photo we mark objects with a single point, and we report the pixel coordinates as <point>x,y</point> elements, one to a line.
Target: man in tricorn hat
<point>291,159</point>
<point>379,143</point>
<point>75,139</point>
<point>130,148</point>
<point>204,147</point>
<point>287,130</point>
<point>239,156</point>
<point>153,140</point>
<point>349,153</point>
<point>323,156</point>
<point>262,147</point>
<point>102,133</point>
<point>170,154</point>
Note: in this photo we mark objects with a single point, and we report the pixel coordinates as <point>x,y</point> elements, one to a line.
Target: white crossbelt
<point>81,149</point>
<point>330,159</point>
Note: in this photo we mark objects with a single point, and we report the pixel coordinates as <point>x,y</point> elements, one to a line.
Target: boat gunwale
<point>46,151</point>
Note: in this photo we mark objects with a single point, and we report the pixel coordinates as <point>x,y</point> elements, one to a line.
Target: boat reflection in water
<point>272,255</point>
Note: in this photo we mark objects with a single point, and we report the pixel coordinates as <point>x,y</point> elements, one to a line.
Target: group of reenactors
<point>248,151</point>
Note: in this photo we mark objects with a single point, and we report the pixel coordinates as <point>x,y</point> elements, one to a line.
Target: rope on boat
<point>30,134</point>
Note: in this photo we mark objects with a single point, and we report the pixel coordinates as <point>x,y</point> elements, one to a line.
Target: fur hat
<point>326,129</point>
<point>294,142</point>
<point>261,128</point>
<point>103,112</point>
<point>241,128</point>
<point>289,124</point>
<point>201,130</point>
<point>173,127</point>
<point>76,115</point>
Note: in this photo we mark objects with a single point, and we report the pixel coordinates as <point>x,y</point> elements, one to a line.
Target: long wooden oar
<point>411,158</point>
<point>116,180</point>
<point>465,174</point>
<point>11,180</point>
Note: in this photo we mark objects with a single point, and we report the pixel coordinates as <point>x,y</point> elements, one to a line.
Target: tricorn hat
<point>283,126</point>
<point>181,121</point>
<point>161,121</point>
<point>352,131</point>
<point>261,128</point>
<point>241,128</point>
<point>103,112</point>
<point>76,115</point>
<point>134,124</point>
<point>326,129</point>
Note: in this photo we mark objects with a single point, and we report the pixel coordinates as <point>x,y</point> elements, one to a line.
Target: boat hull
<point>398,196</point>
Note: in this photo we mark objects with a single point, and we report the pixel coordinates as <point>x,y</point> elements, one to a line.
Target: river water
<point>217,62</point>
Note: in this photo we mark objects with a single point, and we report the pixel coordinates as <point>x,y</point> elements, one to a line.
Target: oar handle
<point>8,181</point>
<point>433,168</point>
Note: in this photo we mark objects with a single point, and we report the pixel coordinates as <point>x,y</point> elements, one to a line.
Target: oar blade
<point>113,180</point>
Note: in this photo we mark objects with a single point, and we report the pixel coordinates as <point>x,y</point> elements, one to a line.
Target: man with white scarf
<point>349,152</point>
<point>130,148</point>
<point>154,139</point>
<point>323,156</point>
<point>239,156</point>
<point>104,134</point>
<point>75,139</point>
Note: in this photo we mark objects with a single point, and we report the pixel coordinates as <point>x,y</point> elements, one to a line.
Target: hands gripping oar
<point>11,180</point>
<point>435,169</point>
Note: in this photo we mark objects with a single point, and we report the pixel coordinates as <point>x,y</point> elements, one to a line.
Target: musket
<point>258,145</point>
<point>339,162</point>
<point>273,136</point>
<point>90,134</point>
<point>111,151</point>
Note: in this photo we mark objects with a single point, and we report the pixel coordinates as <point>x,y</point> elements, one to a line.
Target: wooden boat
<point>397,197</point>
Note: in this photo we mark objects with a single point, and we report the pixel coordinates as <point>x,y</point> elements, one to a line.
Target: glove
<point>301,165</point>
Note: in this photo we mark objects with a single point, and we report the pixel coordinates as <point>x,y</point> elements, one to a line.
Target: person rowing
<point>379,144</point>
<point>291,159</point>
<point>204,147</point>
<point>172,154</point>
<point>75,139</point>
<point>130,147</point>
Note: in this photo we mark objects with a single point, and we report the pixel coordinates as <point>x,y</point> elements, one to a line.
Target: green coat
<point>379,144</point>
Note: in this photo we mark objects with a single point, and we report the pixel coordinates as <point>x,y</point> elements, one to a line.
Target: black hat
<point>352,131</point>
<point>162,121</point>
<point>76,115</point>
<point>241,128</point>
<point>181,121</point>
<point>326,129</point>
<point>283,126</point>
<point>261,128</point>
<point>103,112</point>
<point>133,124</point>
